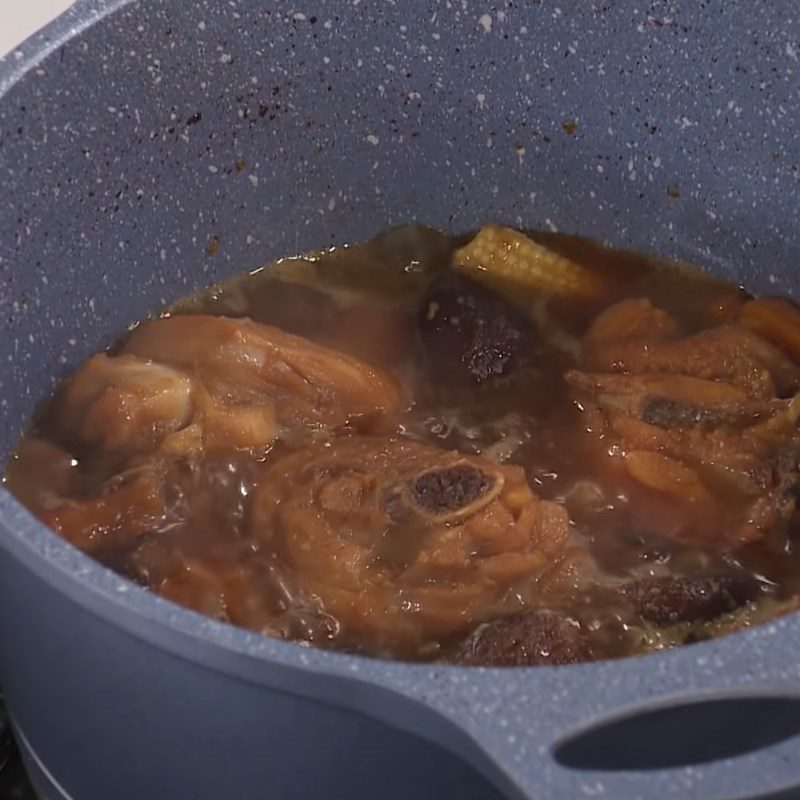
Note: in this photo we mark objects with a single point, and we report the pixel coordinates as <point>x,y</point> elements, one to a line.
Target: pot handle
<point>738,744</point>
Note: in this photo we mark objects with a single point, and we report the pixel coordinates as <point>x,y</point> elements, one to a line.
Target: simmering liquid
<point>491,450</point>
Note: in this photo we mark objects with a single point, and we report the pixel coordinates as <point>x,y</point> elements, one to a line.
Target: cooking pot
<point>150,148</point>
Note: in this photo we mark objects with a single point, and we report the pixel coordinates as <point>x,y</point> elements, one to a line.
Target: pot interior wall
<point>166,147</point>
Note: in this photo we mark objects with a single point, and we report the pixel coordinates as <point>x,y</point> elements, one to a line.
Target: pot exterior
<point>109,714</point>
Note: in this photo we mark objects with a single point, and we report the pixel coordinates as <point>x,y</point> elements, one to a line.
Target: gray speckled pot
<point>121,126</point>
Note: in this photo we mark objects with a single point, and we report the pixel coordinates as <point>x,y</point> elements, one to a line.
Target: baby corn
<point>503,255</point>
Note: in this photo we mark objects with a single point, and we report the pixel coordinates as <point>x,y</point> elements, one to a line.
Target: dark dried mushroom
<point>470,334</point>
<point>670,600</point>
<point>536,638</point>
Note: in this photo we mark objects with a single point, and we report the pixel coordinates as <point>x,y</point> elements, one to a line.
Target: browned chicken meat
<point>708,418</point>
<point>189,383</point>
<point>125,510</point>
<point>191,386</point>
<point>403,542</point>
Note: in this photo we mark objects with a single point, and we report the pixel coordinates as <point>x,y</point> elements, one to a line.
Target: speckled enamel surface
<point>148,148</point>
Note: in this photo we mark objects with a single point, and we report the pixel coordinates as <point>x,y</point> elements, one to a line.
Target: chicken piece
<point>213,578</point>
<point>532,639</point>
<point>634,318</point>
<point>701,418</point>
<point>188,384</point>
<point>664,474</point>
<point>124,512</point>
<point>128,406</point>
<point>217,426</point>
<point>225,580</point>
<point>404,543</point>
<point>729,353</point>
<point>124,402</point>
<point>673,400</point>
<point>777,320</point>
<point>238,361</point>
<point>753,470</point>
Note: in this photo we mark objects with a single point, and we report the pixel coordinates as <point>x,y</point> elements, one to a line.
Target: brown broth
<point>363,301</point>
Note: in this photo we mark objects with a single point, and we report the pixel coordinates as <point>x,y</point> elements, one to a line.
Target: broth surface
<point>417,448</point>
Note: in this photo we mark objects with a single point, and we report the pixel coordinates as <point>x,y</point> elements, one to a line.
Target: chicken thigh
<point>403,542</point>
<point>687,413</point>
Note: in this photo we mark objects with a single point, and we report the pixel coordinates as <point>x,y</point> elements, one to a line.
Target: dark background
<point>14,783</point>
